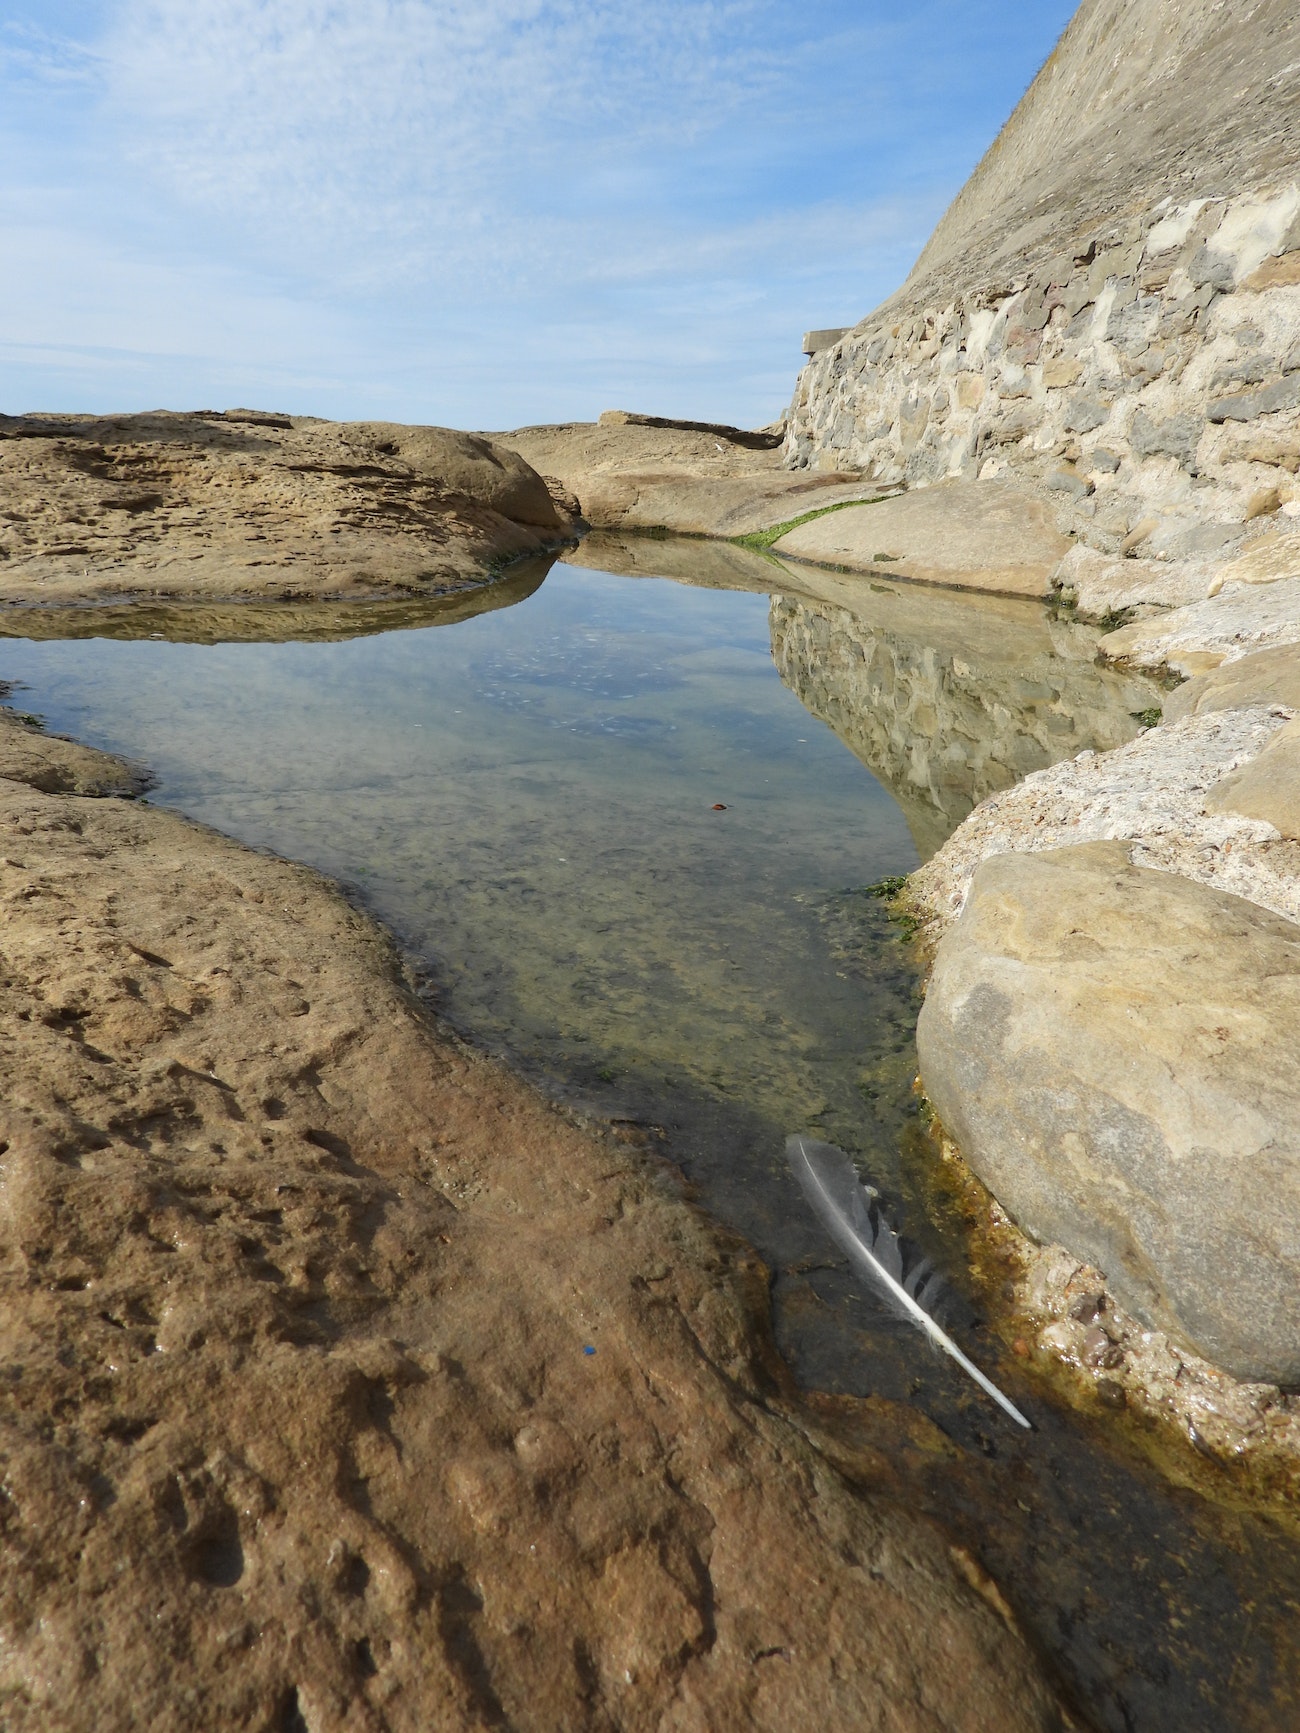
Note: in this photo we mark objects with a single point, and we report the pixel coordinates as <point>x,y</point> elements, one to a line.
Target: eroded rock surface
<point>344,1385</point>
<point>1264,677</point>
<point>58,766</point>
<point>249,505</point>
<point>1117,1052</point>
<point>1157,793</point>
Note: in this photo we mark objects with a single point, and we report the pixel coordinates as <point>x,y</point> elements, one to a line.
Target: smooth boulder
<point>1117,1053</point>
<point>973,535</point>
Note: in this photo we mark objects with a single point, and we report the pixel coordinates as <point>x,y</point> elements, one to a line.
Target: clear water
<point>530,797</point>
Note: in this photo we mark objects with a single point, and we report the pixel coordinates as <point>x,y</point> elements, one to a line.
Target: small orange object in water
<point>718,806</point>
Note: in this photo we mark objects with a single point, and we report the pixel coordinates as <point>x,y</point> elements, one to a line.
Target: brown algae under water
<point>626,824</point>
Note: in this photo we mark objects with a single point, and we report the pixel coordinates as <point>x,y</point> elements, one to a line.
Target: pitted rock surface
<point>247,505</point>
<point>345,1385</point>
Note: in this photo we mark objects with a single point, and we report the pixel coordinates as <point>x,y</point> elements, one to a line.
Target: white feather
<point>833,1188</point>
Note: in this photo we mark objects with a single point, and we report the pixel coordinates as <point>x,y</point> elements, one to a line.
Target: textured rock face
<point>57,766</point>
<point>1158,793</point>
<point>1112,305</point>
<point>1118,1053</point>
<point>1265,677</point>
<point>251,505</point>
<point>343,1385</point>
<point>947,706</point>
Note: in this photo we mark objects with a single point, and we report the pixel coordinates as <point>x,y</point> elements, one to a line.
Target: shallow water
<point>530,797</point>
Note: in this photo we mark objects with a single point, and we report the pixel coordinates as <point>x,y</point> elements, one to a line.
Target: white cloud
<point>418,136</point>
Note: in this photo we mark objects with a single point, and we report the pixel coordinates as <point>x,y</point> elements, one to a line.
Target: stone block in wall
<point>1250,405</point>
<point>1207,266</point>
<point>1242,370</point>
<point>1101,461</point>
<point>1133,326</point>
<point>1012,427</point>
<point>1061,372</point>
<point>1078,294</point>
<point>1280,449</point>
<point>1032,313</point>
<point>1281,273</point>
<point>1177,437</point>
<point>1069,481</point>
<point>842,437</point>
<point>1083,413</point>
<point>970,390</point>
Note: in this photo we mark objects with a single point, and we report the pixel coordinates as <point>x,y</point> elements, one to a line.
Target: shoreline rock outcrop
<point>1116,1051</point>
<point>638,472</point>
<point>250,506</point>
<point>347,1385</point>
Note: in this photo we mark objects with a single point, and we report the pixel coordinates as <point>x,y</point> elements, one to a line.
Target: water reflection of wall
<point>946,697</point>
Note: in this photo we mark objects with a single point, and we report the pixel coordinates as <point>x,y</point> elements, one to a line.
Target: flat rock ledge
<point>645,473</point>
<point>343,1384</point>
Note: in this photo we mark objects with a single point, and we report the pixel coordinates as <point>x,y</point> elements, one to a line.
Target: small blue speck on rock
<point>589,1349</point>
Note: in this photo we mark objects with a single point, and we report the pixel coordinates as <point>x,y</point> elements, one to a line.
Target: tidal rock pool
<point>625,816</point>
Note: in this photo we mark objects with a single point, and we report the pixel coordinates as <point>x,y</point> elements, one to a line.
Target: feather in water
<point>847,1209</point>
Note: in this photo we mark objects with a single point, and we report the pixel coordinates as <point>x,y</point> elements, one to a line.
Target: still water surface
<point>635,864</point>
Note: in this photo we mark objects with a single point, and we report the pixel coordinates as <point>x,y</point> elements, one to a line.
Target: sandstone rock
<point>760,439</point>
<point>1101,584</point>
<point>1117,1052</point>
<point>242,505</point>
<point>1267,788</point>
<point>1263,678</point>
<point>344,1385</point>
<point>1198,636</point>
<point>1152,793</point>
<point>57,766</point>
<point>973,535</point>
<point>1264,561</point>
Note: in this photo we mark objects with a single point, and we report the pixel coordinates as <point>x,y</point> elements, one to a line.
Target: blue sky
<point>477,212</point>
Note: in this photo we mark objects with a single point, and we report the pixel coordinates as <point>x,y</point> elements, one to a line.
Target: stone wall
<point>1154,374</point>
<point>1111,305</point>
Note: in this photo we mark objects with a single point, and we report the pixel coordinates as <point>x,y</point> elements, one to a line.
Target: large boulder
<point>1117,1052</point>
<point>243,506</point>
